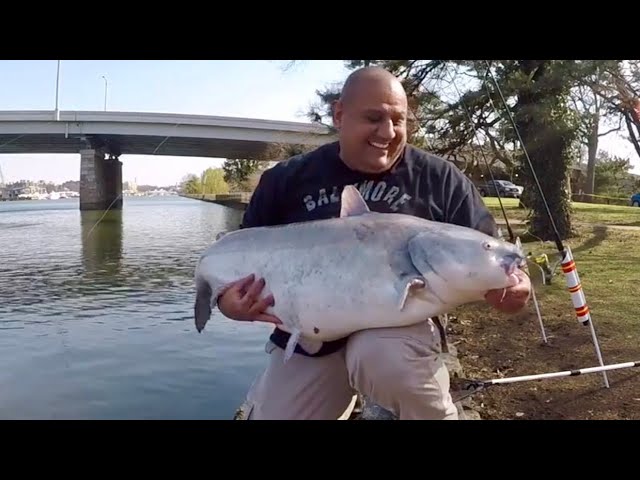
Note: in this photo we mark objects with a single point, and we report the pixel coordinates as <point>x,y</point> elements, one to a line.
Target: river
<point>96,314</point>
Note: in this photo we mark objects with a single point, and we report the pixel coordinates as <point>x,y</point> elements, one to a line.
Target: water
<point>96,321</point>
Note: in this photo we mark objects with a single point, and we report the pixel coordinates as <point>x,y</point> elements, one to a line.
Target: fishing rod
<point>568,265</point>
<point>484,157</point>
<point>512,238</point>
<point>473,386</point>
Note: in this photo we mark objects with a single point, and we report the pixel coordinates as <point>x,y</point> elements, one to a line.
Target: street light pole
<point>105,92</point>
<point>57,111</point>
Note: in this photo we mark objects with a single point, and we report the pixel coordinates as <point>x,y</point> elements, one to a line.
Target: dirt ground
<point>493,346</point>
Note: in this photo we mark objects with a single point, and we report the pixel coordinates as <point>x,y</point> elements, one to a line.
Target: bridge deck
<point>134,133</point>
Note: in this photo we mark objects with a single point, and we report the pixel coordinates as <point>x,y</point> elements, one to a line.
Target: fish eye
<point>487,245</point>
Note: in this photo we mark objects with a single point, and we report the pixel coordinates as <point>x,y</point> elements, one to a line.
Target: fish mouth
<point>510,263</point>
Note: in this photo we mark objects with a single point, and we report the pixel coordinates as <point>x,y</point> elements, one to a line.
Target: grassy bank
<point>583,212</point>
<point>493,345</point>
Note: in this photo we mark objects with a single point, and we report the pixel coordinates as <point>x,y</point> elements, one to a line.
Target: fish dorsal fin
<point>352,203</point>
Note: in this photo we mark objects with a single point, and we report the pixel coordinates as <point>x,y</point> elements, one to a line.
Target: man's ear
<point>337,109</point>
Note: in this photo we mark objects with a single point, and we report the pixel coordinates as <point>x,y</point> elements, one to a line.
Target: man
<point>398,368</point>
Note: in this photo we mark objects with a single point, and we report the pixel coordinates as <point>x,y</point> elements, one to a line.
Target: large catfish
<point>332,277</point>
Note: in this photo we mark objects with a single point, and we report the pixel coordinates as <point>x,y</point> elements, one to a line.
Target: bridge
<point>100,138</point>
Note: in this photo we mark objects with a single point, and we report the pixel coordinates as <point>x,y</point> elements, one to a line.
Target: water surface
<point>96,314</point>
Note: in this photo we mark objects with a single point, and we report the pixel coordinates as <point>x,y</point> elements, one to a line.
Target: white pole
<point>596,344</point>
<point>105,92</point>
<point>566,373</point>
<point>580,302</point>
<point>57,111</point>
<point>535,300</point>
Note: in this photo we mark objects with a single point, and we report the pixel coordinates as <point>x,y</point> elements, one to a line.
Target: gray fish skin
<point>363,270</point>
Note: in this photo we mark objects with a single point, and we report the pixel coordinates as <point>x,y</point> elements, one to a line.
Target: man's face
<point>373,125</point>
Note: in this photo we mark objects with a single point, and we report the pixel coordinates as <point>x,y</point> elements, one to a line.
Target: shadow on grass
<point>529,241</point>
<point>599,236</point>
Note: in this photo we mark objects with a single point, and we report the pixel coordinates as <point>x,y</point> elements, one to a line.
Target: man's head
<point>371,117</point>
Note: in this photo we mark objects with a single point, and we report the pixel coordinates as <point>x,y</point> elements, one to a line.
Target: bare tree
<point>592,114</point>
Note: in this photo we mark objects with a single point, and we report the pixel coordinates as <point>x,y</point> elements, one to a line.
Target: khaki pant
<point>400,369</point>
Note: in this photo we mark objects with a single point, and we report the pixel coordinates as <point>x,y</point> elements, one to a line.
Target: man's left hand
<point>514,299</point>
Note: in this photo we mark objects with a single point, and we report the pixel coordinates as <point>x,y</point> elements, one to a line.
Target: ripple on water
<point>97,322</point>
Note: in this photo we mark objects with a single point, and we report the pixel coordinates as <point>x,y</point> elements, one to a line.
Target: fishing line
<point>60,329</point>
<point>558,239</point>
<point>511,234</point>
<point>13,140</point>
<point>484,157</point>
<point>569,269</point>
<point>103,215</point>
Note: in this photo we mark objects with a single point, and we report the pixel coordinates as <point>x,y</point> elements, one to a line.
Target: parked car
<point>503,188</point>
<point>635,200</point>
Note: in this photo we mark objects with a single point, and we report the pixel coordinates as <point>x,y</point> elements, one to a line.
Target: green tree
<point>191,185</point>
<point>238,171</point>
<point>613,177</point>
<point>213,182</point>
<point>456,104</point>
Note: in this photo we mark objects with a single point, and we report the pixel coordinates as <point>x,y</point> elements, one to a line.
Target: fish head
<point>465,262</point>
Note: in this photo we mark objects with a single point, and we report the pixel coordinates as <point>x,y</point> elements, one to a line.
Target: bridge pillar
<point>100,181</point>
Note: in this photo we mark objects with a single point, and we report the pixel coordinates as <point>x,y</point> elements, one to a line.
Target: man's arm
<point>467,208</point>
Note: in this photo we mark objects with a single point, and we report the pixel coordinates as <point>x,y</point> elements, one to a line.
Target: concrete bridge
<point>100,138</point>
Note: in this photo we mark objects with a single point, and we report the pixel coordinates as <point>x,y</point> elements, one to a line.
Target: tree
<point>592,110</point>
<point>613,178</point>
<point>628,93</point>
<point>191,184</point>
<point>213,182</point>
<point>238,171</point>
<point>243,175</point>
<point>455,105</point>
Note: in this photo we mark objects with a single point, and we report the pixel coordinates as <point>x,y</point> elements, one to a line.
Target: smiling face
<point>372,121</point>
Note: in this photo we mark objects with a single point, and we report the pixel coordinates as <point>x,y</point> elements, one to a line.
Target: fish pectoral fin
<point>409,285</point>
<point>202,305</point>
<point>291,344</point>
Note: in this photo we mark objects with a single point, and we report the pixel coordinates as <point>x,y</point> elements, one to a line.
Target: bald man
<point>398,368</point>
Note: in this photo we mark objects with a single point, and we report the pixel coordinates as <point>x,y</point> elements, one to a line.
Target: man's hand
<point>515,298</point>
<point>239,301</point>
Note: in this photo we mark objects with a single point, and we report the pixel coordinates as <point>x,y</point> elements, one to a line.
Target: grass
<point>590,213</point>
<point>493,345</point>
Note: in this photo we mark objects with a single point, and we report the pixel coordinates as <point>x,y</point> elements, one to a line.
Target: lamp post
<point>57,111</point>
<point>105,92</point>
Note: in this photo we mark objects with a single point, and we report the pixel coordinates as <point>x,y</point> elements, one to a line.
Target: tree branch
<point>616,129</point>
<point>632,134</point>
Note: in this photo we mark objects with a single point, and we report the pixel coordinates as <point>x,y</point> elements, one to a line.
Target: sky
<point>255,89</point>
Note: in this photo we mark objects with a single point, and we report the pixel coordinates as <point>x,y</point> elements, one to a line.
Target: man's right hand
<point>240,301</point>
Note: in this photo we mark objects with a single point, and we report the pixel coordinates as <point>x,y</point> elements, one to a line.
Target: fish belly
<point>325,292</point>
<point>329,317</point>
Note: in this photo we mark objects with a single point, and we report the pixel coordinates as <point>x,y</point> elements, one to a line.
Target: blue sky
<point>258,89</point>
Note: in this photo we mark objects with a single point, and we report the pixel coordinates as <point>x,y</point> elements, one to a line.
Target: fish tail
<point>202,306</point>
